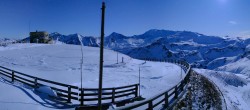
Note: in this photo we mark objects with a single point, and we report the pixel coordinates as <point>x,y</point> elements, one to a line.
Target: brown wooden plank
<point>95,99</point>
<point>5,74</point>
<point>122,95</point>
<point>25,82</point>
<point>122,87</point>
<point>30,81</point>
<point>117,92</point>
<point>154,105</point>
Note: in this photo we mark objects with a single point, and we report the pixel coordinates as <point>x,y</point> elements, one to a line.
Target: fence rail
<point>112,94</point>
<point>66,92</point>
<point>167,98</point>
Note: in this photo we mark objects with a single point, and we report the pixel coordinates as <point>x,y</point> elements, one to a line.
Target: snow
<point>198,49</point>
<point>17,97</point>
<point>237,96</point>
<point>240,66</point>
<point>46,90</point>
<point>61,63</point>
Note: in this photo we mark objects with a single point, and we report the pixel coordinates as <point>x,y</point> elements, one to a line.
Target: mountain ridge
<point>212,52</point>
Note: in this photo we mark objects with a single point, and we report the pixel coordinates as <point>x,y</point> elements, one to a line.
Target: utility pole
<point>101,59</point>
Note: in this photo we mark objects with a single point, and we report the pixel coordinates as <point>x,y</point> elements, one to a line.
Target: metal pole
<point>81,76</point>
<point>101,59</point>
<point>117,57</point>
<point>139,80</point>
<point>80,40</point>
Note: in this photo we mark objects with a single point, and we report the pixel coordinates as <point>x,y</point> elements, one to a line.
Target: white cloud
<point>233,22</point>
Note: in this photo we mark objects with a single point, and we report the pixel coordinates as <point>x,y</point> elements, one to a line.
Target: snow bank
<point>47,90</point>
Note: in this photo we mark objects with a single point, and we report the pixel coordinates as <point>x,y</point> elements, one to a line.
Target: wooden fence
<point>168,98</point>
<point>68,93</point>
<point>112,94</point>
<point>64,91</point>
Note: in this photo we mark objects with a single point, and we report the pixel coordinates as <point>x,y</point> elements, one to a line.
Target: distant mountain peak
<point>115,34</point>
<point>154,31</point>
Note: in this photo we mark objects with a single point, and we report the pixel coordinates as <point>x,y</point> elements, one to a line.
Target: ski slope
<point>61,63</point>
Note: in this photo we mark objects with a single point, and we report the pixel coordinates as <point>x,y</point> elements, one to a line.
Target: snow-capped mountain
<point>203,51</point>
<point>73,39</point>
<point>6,41</point>
<point>153,51</point>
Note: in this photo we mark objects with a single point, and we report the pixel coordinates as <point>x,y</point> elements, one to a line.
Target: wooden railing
<point>112,94</point>
<point>64,91</point>
<point>69,92</point>
<point>168,98</point>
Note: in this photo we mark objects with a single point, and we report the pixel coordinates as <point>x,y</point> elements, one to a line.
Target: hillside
<point>202,51</point>
<point>235,88</point>
<point>61,63</point>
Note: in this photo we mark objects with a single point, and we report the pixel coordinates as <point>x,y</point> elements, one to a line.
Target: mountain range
<point>202,51</point>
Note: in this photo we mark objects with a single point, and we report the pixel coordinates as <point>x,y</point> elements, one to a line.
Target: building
<point>40,37</point>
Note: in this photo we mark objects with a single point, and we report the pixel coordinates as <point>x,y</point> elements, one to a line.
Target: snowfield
<point>61,63</point>
<point>234,87</point>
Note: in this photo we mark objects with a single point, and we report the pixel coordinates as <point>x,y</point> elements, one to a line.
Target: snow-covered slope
<point>70,39</point>
<point>200,50</point>
<point>235,88</point>
<point>61,63</point>
<point>5,41</point>
<point>204,51</point>
<point>17,97</point>
<point>155,51</point>
<point>73,39</point>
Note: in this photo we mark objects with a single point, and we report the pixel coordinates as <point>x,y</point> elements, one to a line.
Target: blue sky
<point>129,17</point>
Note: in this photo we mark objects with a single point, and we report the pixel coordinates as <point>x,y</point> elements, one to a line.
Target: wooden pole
<point>101,59</point>
<point>12,76</point>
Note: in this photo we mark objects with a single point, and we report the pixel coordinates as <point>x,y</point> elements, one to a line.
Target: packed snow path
<point>202,94</point>
<point>61,63</point>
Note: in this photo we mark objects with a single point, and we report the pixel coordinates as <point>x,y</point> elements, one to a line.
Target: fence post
<point>13,75</point>
<point>182,85</point>
<point>69,94</point>
<point>36,82</point>
<point>136,90</point>
<point>113,95</point>
<point>166,100</point>
<point>81,99</point>
<point>176,92</point>
<point>150,105</point>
